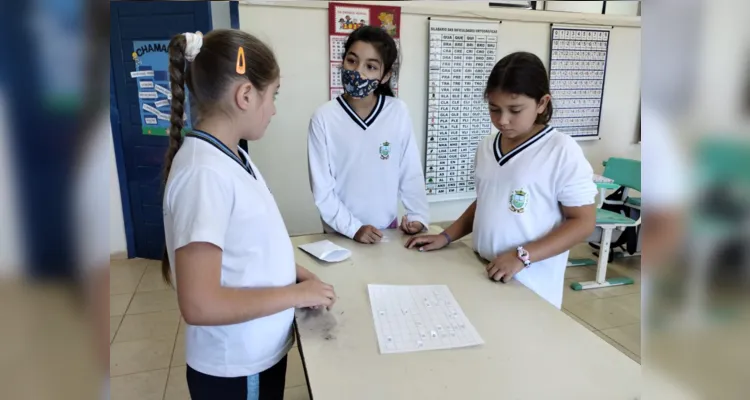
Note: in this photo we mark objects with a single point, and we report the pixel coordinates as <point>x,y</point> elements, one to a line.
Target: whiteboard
<point>461,57</point>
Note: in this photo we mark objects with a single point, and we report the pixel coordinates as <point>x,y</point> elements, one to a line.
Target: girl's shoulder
<point>326,109</point>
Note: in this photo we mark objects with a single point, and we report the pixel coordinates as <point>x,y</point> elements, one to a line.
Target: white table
<point>532,350</point>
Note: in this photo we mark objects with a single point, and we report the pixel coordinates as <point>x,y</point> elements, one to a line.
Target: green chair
<point>626,173</point>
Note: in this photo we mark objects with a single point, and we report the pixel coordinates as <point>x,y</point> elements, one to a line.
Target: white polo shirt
<point>210,197</point>
<point>359,168</point>
<point>518,201</point>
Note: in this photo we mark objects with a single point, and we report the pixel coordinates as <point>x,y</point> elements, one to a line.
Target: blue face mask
<point>357,86</point>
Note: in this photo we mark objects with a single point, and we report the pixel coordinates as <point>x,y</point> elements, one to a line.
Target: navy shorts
<point>267,385</point>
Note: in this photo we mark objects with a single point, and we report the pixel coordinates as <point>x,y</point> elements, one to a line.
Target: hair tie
<point>193,44</point>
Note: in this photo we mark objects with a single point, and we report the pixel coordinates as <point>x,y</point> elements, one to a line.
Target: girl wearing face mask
<point>361,148</point>
<point>228,252</point>
<point>535,193</point>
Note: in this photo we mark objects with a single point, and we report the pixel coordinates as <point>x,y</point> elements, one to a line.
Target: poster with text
<point>344,19</point>
<point>151,60</point>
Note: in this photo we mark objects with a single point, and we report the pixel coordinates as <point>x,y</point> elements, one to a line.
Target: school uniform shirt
<point>210,197</point>
<point>360,167</point>
<point>518,201</point>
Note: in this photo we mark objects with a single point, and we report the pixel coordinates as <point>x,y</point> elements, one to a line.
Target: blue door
<point>141,151</point>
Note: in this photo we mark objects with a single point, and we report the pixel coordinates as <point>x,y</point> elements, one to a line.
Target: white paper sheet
<point>418,318</point>
<point>327,251</point>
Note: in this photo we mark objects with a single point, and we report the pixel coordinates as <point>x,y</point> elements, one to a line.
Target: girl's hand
<point>368,234</point>
<point>427,242</point>
<point>303,274</point>
<point>314,293</point>
<point>504,267</point>
<point>411,228</point>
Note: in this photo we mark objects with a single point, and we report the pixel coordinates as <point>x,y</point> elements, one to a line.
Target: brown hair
<point>207,78</point>
<point>521,73</point>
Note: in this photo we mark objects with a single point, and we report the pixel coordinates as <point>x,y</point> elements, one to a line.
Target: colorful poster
<point>151,60</point>
<point>343,19</point>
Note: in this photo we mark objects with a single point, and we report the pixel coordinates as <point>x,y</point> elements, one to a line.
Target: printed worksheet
<point>418,318</point>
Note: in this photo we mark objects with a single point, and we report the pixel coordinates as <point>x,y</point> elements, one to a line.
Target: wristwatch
<point>523,255</point>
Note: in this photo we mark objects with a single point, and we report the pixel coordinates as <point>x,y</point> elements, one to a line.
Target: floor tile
<point>297,393</point>
<point>162,300</point>
<point>152,279</point>
<point>182,327</point>
<point>142,386</point>
<point>295,373</point>
<point>628,336</point>
<point>619,347</point>
<point>177,388</point>
<point>149,326</point>
<point>114,323</point>
<point>119,303</point>
<point>140,356</point>
<point>580,273</point>
<point>605,313</point>
<point>571,296</point>
<point>124,278</point>
<point>178,358</point>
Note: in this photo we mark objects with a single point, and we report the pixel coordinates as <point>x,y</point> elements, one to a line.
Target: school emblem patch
<point>519,199</point>
<point>385,150</point>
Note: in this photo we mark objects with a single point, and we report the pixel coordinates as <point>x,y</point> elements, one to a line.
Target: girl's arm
<point>579,223</point>
<point>464,224</point>
<point>203,301</point>
<point>304,275</point>
<point>411,180</point>
<point>331,209</point>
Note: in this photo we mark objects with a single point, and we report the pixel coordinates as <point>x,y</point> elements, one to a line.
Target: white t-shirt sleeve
<point>200,201</point>
<point>411,179</point>
<point>575,184</point>
<point>323,184</point>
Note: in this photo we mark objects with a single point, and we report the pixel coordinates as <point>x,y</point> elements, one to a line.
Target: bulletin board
<point>461,57</point>
<point>578,63</point>
<point>343,19</point>
<point>151,58</point>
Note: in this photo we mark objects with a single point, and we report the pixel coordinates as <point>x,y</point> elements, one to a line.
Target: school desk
<point>532,350</point>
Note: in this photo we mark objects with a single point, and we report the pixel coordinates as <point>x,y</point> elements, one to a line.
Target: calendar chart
<point>578,61</point>
<point>462,55</point>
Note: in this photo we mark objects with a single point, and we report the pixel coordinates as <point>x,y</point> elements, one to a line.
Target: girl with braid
<point>228,253</point>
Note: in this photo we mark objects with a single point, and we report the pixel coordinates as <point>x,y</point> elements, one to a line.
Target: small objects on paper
<point>404,324</point>
<point>326,250</point>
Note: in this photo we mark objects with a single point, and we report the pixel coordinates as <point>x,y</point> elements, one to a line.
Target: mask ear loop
<point>241,61</point>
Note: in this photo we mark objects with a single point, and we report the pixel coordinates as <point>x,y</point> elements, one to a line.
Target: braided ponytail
<point>177,79</point>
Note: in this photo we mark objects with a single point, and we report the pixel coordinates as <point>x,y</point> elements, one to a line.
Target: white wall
<point>117,241</point>
<point>301,46</point>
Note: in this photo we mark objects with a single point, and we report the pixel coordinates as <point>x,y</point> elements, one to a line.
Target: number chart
<point>462,54</point>
<point>578,61</point>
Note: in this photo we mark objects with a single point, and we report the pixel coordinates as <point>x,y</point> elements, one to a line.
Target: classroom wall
<point>117,243</point>
<point>298,34</point>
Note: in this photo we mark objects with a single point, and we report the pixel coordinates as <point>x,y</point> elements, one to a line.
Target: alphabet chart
<point>462,55</point>
<point>418,318</point>
<point>578,62</point>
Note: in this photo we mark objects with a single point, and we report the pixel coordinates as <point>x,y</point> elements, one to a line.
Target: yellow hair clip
<point>241,61</point>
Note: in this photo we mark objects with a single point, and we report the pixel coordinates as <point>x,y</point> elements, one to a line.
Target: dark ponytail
<point>177,79</point>
<point>384,45</point>
<point>208,77</point>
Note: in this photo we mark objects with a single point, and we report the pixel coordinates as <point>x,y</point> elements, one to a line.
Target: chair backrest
<point>625,172</point>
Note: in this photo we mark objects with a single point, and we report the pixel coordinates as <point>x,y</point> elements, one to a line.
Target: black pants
<point>207,387</point>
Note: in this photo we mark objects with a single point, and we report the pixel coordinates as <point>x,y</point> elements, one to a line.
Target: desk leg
<point>602,193</point>
<point>601,270</point>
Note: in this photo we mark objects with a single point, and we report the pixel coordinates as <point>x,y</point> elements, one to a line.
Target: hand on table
<point>368,234</point>
<point>411,228</point>
<point>427,242</point>
<point>314,293</point>
<point>504,267</point>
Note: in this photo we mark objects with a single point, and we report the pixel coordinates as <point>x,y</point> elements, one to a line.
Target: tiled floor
<point>147,355</point>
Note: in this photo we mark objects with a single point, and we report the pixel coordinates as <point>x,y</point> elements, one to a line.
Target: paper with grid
<point>418,318</point>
